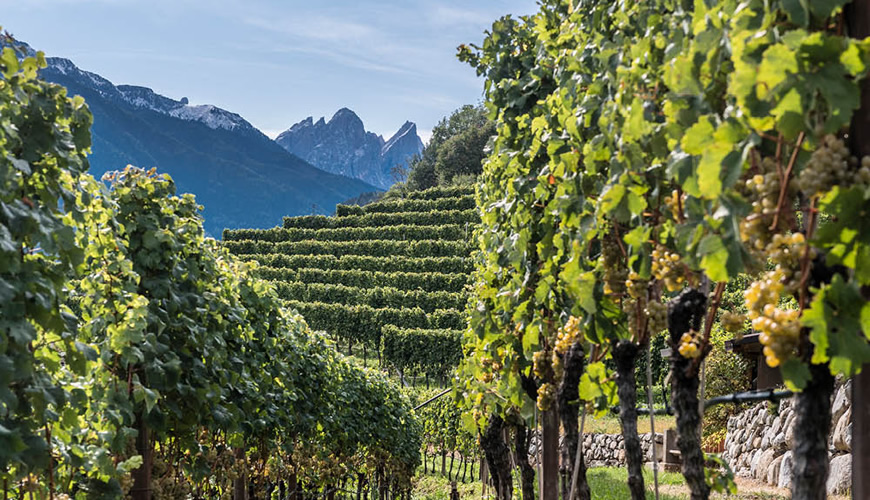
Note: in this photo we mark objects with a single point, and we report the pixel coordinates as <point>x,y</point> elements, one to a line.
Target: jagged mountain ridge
<point>240,176</point>
<point>343,146</point>
<point>145,98</point>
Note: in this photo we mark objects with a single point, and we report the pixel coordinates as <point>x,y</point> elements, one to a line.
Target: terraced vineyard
<point>389,277</point>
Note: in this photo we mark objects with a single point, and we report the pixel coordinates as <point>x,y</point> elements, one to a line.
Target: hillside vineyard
<point>390,276</point>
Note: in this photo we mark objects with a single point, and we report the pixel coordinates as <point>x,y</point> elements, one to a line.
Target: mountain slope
<point>240,176</point>
<point>343,146</point>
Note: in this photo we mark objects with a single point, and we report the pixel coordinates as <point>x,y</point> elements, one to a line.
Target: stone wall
<point>606,449</point>
<point>758,443</point>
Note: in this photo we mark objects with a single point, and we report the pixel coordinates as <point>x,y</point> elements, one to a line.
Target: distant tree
<point>463,154</point>
<point>399,172</point>
<point>456,148</point>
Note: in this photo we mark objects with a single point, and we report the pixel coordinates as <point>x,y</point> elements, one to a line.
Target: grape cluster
<point>636,286</point>
<point>779,333</point>
<point>558,367</point>
<point>657,317</point>
<point>733,322</point>
<point>541,365</point>
<point>785,251</point>
<point>666,267</point>
<point>491,366</point>
<point>690,345</point>
<point>546,396</point>
<point>673,201</point>
<point>778,328</point>
<point>568,335</point>
<point>763,190</point>
<point>767,290</point>
<point>831,165</point>
<point>615,274</point>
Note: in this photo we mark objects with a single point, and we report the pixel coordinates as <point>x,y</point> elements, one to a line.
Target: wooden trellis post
<point>550,459</point>
<point>858,15</point>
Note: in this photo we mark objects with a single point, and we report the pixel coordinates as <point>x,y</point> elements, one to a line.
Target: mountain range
<point>240,176</point>
<point>343,146</point>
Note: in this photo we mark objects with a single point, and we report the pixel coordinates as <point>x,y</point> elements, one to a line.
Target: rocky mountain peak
<point>343,146</point>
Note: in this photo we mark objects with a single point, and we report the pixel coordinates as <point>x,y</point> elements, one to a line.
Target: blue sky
<point>275,62</point>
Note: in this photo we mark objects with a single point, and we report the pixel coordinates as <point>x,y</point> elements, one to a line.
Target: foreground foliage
<point>647,154</point>
<point>139,357</point>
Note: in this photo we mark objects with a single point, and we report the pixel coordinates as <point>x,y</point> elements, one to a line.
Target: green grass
<point>434,486</point>
<point>609,424</point>
<point>611,483</point>
<point>606,483</point>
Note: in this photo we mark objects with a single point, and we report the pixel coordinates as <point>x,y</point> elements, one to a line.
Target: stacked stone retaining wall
<point>759,441</point>
<point>601,450</point>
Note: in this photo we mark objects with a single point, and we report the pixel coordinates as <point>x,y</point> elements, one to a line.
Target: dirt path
<point>746,489</point>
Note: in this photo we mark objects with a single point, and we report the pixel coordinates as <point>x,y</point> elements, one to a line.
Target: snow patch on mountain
<point>145,98</point>
<point>212,116</point>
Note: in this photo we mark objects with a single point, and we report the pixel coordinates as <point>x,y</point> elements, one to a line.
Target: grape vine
<point>646,155</point>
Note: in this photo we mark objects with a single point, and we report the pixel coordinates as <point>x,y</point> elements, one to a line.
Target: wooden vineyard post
<point>858,14</point>
<point>142,476</point>
<point>550,459</point>
<point>240,491</point>
<point>484,474</point>
<point>861,434</point>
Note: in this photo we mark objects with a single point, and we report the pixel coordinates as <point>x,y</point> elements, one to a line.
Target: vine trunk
<point>498,457</point>
<point>811,428</point>
<point>574,362</point>
<point>685,313</point>
<point>527,472</point>
<point>625,355</point>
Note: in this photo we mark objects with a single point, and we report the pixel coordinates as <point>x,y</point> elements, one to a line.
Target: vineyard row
<point>378,297</point>
<point>362,323</point>
<point>446,265</point>
<point>432,351</point>
<point>429,218</point>
<point>429,282</point>
<point>394,206</point>
<point>435,193</point>
<point>449,232</point>
<point>375,248</point>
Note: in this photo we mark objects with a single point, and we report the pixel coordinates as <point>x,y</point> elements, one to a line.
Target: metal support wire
<point>433,398</point>
<point>652,419</point>
<point>746,397</point>
<point>735,398</point>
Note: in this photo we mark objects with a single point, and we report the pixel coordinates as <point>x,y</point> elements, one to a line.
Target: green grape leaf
<point>130,464</point>
<point>822,9</point>
<point>776,64</point>
<point>797,11</point>
<point>789,114</point>
<point>847,237</point>
<point>714,257</point>
<point>835,322</point>
<point>578,282</point>
<point>698,137</point>
<point>596,388</point>
<point>795,374</point>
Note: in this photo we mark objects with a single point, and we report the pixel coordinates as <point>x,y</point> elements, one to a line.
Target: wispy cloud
<point>346,59</point>
<point>443,15</point>
<point>315,28</point>
<point>433,100</point>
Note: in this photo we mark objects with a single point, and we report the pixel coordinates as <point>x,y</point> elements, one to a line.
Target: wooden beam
<point>858,16</point>
<point>550,446</point>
